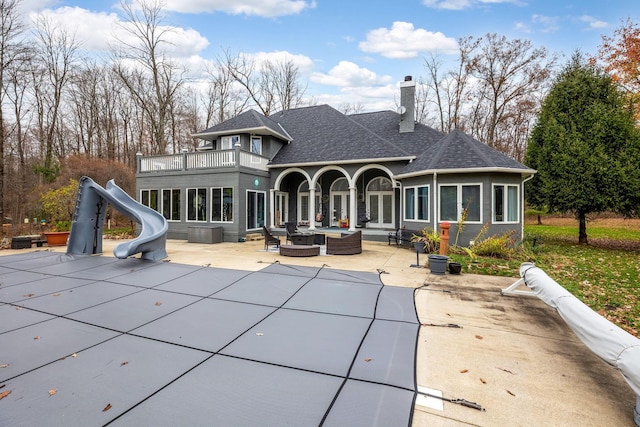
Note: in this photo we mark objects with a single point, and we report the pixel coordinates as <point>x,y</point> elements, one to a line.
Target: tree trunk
<point>582,231</point>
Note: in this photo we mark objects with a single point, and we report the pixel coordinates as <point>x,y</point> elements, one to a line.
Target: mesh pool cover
<point>92,340</point>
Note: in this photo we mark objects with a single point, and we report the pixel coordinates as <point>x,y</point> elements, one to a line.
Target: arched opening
<point>303,204</point>
<point>380,201</point>
<point>339,202</point>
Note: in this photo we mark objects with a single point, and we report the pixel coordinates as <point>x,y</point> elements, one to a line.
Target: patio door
<point>256,209</point>
<point>282,208</point>
<point>339,207</point>
<point>380,203</point>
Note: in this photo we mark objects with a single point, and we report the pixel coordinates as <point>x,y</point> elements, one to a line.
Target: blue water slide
<point>89,217</point>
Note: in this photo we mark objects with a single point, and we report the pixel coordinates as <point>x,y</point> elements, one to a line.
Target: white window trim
<point>186,212</point>
<point>264,213</point>
<point>233,140</point>
<point>251,144</point>
<point>459,201</point>
<point>170,203</point>
<point>415,205</point>
<point>233,202</point>
<point>158,198</point>
<point>505,204</point>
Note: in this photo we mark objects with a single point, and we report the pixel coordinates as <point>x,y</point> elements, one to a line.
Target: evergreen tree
<point>586,148</point>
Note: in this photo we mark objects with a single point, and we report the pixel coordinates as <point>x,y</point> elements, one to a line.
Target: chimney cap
<point>408,78</point>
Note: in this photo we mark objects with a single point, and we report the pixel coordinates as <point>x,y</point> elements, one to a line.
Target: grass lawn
<point>605,274</point>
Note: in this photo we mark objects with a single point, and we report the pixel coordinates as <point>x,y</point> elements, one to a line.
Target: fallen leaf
<point>368,359</point>
<point>509,391</point>
<point>482,381</point>
<point>4,365</point>
<point>74,355</point>
<point>53,391</point>
<point>106,408</point>
<point>124,363</point>
<point>56,294</point>
<point>464,371</point>
<point>37,337</point>
<point>259,334</point>
<point>507,371</point>
<point>5,394</point>
<point>18,308</point>
<point>28,295</point>
<point>158,303</point>
<point>479,337</point>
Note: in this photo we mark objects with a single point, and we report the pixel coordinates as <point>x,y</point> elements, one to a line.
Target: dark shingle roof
<point>323,134</point>
<point>247,121</point>
<point>460,151</point>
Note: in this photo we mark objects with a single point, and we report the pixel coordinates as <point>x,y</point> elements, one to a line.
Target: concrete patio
<point>512,355</point>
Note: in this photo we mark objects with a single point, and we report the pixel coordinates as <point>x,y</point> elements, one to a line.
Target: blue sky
<point>352,51</point>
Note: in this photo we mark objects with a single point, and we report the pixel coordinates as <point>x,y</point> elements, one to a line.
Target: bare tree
<point>56,53</point>
<point>223,98</point>
<point>12,49</point>
<point>507,72</point>
<point>348,108</point>
<point>271,86</point>
<point>143,64</point>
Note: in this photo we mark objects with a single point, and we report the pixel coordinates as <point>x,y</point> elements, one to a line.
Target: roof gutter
<point>262,129</point>
<point>530,172</point>
<point>342,162</point>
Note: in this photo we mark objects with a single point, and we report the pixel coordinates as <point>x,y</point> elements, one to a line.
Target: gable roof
<point>459,152</point>
<point>247,122</point>
<point>321,134</point>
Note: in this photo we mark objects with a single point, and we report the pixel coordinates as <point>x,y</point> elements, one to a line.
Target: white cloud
<point>521,27</point>
<point>348,74</point>
<point>304,63</point>
<point>594,24</point>
<point>404,41</point>
<point>96,30</point>
<point>266,8</point>
<point>465,4</point>
<point>548,24</point>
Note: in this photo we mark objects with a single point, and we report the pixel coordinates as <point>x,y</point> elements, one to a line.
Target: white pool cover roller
<point>612,344</point>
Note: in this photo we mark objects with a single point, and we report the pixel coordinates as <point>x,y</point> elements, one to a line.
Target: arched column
<point>353,211</point>
<point>272,208</point>
<point>312,207</point>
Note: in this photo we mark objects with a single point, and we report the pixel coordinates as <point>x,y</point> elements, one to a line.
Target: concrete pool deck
<point>514,356</point>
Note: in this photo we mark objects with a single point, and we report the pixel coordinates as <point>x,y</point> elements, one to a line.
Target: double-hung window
<point>149,198</point>
<point>196,204</point>
<point>222,204</point>
<point>461,202</point>
<point>505,203</point>
<point>416,203</point>
<point>228,142</point>
<point>171,204</point>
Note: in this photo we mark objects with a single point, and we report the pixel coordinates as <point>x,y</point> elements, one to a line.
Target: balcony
<point>202,160</point>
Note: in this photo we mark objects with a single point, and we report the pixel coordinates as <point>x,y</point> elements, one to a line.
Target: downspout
<point>435,201</point>
<point>522,206</point>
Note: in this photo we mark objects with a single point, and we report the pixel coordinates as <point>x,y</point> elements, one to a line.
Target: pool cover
<point>93,340</point>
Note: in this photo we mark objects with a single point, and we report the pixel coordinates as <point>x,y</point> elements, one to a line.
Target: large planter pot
<point>56,238</point>
<point>438,264</point>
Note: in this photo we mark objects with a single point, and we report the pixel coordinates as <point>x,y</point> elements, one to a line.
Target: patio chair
<point>269,239</point>
<point>347,244</point>
<point>292,229</point>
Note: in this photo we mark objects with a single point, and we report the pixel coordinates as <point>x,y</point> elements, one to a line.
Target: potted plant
<point>426,241</point>
<point>58,206</point>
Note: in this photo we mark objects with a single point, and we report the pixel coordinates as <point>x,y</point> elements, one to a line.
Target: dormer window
<point>228,142</point>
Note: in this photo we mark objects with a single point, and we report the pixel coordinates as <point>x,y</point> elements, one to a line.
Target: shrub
<point>429,237</point>
<point>58,204</point>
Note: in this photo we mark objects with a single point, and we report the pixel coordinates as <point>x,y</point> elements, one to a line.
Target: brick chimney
<point>407,105</point>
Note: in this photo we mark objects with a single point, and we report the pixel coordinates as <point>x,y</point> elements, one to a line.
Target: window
<point>222,204</point>
<point>228,142</point>
<point>416,203</point>
<point>505,203</point>
<point>256,208</point>
<point>171,204</point>
<point>149,198</point>
<point>456,200</point>
<point>196,204</point>
<point>256,145</point>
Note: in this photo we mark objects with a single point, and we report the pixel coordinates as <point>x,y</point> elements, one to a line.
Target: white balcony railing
<point>202,160</point>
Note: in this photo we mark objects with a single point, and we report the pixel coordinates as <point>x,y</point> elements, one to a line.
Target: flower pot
<point>56,238</point>
<point>418,247</point>
<point>455,267</point>
<point>438,264</point>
